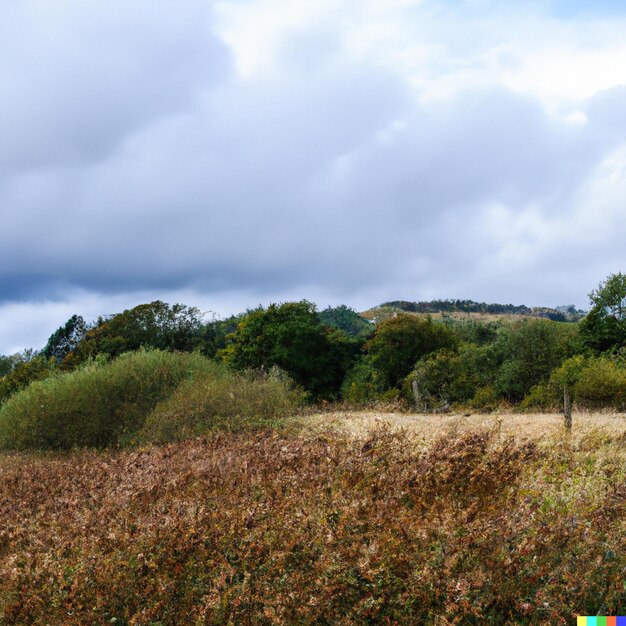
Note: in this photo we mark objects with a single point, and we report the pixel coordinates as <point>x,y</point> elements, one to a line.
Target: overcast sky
<point>226,154</point>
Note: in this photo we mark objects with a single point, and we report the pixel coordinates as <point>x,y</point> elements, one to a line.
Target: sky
<point>233,153</point>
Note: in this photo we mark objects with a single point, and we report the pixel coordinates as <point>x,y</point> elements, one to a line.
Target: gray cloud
<point>138,163</point>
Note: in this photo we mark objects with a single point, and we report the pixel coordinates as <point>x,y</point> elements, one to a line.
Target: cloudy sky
<point>229,153</point>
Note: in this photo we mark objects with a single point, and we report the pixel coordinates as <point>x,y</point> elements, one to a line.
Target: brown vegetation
<point>268,528</point>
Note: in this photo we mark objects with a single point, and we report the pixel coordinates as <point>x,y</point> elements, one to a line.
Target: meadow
<point>332,518</point>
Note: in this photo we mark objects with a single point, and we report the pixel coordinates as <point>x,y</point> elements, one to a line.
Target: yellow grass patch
<point>426,428</point>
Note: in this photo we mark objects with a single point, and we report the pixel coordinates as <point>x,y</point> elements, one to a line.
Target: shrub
<point>363,383</point>
<point>485,399</point>
<point>541,397</point>
<point>97,405</point>
<point>222,399</point>
<point>601,384</point>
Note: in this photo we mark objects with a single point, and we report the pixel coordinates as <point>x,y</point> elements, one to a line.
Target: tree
<point>292,337</point>
<point>155,325</point>
<point>604,327</point>
<point>8,362</point>
<point>346,319</point>
<point>28,366</point>
<point>401,340</point>
<point>528,352</point>
<point>65,339</point>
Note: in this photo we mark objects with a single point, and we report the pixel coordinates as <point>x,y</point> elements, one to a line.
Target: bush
<point>485,400</point>
<point>97,405</point>
<point>542,397</point>
<point>222,399</point>
<point>601,384</point>
<point>452,377</point>
<point>363,383</point>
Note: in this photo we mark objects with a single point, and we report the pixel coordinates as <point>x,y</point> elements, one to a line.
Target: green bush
<point>485,400</point>
<point>97,405</point>
<point>543,397</point>
<point>222,399</point>
<point>363,383</point>
<point>601,384</point>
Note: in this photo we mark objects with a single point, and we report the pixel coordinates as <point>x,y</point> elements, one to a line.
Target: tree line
<point>336,354</point>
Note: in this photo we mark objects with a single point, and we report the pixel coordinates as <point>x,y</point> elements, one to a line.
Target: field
<point>424,429</point>
<point>339,518</point>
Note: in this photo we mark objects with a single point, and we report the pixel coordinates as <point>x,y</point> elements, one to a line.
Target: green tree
<point>28,367</point>
<point>292,337</point>
<point>156,325</point>
<point>65,339</point>
<point>528,352</point>
<point>8,362</point>
<point>346,319</point>
<point>401,340</point>
<point>604,327</point>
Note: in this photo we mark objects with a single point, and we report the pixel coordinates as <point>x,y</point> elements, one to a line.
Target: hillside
<point>464,309</point>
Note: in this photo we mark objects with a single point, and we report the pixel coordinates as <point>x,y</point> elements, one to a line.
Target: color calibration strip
<point>601,621</point>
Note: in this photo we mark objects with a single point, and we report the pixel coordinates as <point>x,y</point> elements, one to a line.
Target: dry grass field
<point>340,518</point>
<point>424,429</point>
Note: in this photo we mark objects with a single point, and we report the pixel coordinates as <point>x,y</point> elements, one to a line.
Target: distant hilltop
<point>462,308</point>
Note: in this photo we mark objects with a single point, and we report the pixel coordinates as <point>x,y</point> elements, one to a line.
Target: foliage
<point>522,356</point>
<point>601,383</point>
<point>97,405</point>
<point>363,384</point>
<point>568,373</point>
<point>604,328</point>
<point>529,351</point>
<point>292,337</point>
<point>400,341</point>
<point>452,376</point>
<point>474,331</point>
<point>543,397</point>
<point>8,362</point>
<point>155,325</point>
<point>213,334</point>
<point>65,339</point>
<point>27,367</point>
<point>266,529</point>
<point>346,319</point>
<point>225,400</point>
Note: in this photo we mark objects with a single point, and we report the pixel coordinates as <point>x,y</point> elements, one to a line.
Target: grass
<point>392,519</point>
<point>545,428</point>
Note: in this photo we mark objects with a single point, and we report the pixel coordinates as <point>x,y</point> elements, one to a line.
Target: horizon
<point>221,316</point>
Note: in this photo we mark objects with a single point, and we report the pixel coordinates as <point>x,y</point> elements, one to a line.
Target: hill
<point>470,308</point>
